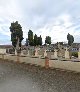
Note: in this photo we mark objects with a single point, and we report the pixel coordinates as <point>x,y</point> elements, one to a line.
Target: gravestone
<point>36,52</point>
<point>55,54</point>
<point>67,53</point>
<point>22,53</point>
<point>49,55</point>
<point>45,53</point>
<point>28,53</point>
<point>15,52</point>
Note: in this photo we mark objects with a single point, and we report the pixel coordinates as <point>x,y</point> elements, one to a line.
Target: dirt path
<point>26,78</point>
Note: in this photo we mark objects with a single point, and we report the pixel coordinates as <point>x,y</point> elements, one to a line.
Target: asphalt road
<point>26,78</point>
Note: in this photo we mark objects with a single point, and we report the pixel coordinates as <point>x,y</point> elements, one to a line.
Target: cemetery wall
<point>68,65</point>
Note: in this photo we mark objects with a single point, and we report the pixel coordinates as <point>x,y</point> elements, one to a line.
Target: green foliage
<point>30,38</point>
<point>70,39</point>
<point>75,54</point>
<point>48,40</point>
<point>40,40</point>
<point>16,33</point>
<point>37,40</point>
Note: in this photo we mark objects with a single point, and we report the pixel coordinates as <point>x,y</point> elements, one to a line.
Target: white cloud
<point>44,17</point>
<point>58,29</point>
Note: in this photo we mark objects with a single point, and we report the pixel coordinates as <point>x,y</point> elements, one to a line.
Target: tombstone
<point>28,53</point>
<point>79,54</point>
<point>67,53</point>
<point>36,52</point>
<point>22,53</point>
<point>45,53</point>
<point>15,52</point>
<point>49,55</point>
<point>55,54</point>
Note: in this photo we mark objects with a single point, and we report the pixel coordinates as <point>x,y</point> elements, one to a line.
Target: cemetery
<point>59,58</point>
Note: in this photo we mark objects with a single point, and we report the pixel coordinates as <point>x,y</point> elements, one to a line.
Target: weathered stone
<point>67,53</point>
<point>55,54</point>
<point>45,53</point>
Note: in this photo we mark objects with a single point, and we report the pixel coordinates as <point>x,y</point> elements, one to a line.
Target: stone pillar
<point>67,53</point>
<point>55,54</point>
<point>45,53</point>
<point>79,54</point>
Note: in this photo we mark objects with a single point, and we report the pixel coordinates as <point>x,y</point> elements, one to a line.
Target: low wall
<point>32,60</point>
<point>68,65</point>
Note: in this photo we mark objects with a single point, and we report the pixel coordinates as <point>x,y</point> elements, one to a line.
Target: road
<point>16,77</point>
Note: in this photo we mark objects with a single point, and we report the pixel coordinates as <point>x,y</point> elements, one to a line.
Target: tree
<point>16,35</point>
<point>70,39</point>
<point>35,40</point>
<point>27,42</point>
<point>40,40</point>
<point>48,40</point>
<point>30,38</point>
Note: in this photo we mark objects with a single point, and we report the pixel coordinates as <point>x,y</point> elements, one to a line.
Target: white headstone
<point>15,52</point>
<point>45,53</point>
<point>55,54</point>
<point>67,53</point>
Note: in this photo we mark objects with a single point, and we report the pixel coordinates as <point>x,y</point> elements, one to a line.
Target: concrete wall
<point>68,65</point>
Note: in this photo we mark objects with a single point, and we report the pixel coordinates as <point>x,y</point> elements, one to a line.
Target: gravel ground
<point>16,77</point>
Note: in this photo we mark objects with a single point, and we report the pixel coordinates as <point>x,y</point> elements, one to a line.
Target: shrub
<point>75,54</point>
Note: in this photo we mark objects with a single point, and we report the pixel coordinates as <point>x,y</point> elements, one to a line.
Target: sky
<point>55,18</point>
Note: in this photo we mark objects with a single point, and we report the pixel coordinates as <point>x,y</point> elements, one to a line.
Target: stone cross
<point>45,53</point>
<point>15,52</point>
<point>28,53</point>
<point>67,53</point>
<point>36,52</point>
<point>55,54</point>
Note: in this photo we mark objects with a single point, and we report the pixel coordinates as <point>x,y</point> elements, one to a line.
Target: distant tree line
<point>33,39</point>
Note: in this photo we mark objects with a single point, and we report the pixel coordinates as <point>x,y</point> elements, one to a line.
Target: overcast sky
<point>55,18</point>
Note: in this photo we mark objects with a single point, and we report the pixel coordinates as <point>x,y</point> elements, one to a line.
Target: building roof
<point>6,46</point>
